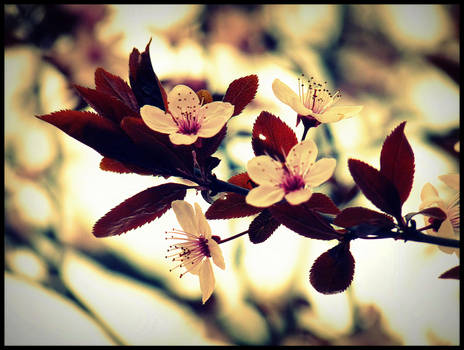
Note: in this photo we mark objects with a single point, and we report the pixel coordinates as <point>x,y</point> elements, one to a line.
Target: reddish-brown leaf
<point>105,104</point>
<point>144,82</point>
<point>241,92</point>
<point>233,205</point>
<point>139,209</point>
<point>242,180</point>
<point>230,206</point>
<point>333,271</point>
<point>376,187</point>
<point>95,131</point>
<point>116,87</point>
<point>354,216</point>
<point>321,203</point>
<point>210,145</point>
<point>113,165</point>
<point>272,136</point>
<point>451,273</point>
<point>303,220</point>
<point>262,227</point>
<point>397,161</point>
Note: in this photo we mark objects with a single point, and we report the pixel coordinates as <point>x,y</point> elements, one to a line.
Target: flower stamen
<point>189,252</point>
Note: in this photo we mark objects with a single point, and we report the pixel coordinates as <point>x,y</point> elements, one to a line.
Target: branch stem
<point>233,237</point>
<point>222,186</point>
<point>416,236</point>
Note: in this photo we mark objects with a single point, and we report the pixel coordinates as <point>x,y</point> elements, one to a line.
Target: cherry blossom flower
<point>187,119</point>
<point>196,246</point>
<point>314,100</point>
<point>450,227</point>
<point>293,179</point>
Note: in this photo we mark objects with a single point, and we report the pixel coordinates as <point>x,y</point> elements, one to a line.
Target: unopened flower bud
<point>204,96</point>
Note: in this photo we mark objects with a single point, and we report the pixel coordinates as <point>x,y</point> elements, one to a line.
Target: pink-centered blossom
<point>292,180</point>
<point>186,118</point>
<point>195,246</point>
<point>314,100</point>
<point>450,227</point>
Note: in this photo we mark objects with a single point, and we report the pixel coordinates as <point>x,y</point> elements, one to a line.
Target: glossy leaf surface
<point>272,136</point>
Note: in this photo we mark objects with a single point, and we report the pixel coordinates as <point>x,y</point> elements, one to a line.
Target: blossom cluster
<point>143,129</point>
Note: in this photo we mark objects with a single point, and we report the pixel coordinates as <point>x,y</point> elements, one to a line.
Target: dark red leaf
<point>105,104</point>
<point>397,161</point>
<point>233,205</point>
<point>95,131</point>
<point>157,147</point>
<point>144,82</point>
<point>303,220</point>
<point>116,87</point>
<point>262,227</point>
<point>210,145</point>
<point>451,273</point>
<point>241,92</point>
<point>272,136</point>
<point>376,187</point>
<point>230,206</point>
<point>333,271</point>
<point>242,180</point>
<point>354,216</point>
<point>321,203</point>
<point>113,165</point>
<point>139,209</point>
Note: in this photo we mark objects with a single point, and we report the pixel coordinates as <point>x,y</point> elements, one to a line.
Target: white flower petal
<point>264,196</point>
<point>298,196</point>
<point>216,253</point>
<point>446,231</point>
<point>334,114</point>
<point>216,114</point>
<point>428,192</point>
<point>181,98</point>
<point>289,97</point>
<point>302,155</point>
<point>201,223</point>
<point>452,180</point>
<point>265,171</point>
<point>433,202</point>
<point>157,120</point>
<point>185,216</point>
<point>182,139</point>
<point>321,171</point>
<point>207,280</point>
<point>195,268</point>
